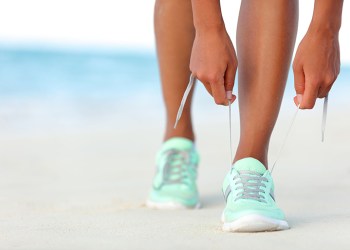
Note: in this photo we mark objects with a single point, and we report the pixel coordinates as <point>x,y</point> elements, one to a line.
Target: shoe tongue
<point>249,164</point>
<point>178,143</point>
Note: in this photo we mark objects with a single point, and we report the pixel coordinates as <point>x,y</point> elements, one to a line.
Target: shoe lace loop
<point>251,185</point>
<point>175,170</point>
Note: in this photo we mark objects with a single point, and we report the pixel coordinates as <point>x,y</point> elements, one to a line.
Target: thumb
<point>299,84</point>
<point>229,78</point>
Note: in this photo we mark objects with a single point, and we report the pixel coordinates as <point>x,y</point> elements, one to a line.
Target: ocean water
<point>83,74</point>
<point>47,89</point>
<point>67,88</point>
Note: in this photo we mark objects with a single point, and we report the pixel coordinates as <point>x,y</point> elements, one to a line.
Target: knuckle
<point>329,78</point>
<point>314,85</point>
<point>229,85</point>
<point>314,81</point>
<point>322,95</point>
<point>199,75</point>
<point>298,85</point>
<point>212,77</point>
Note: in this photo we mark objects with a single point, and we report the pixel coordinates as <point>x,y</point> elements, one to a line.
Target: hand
<point>316,67</point>
<point>214,63</point>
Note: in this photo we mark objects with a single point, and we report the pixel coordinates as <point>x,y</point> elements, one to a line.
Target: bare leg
<point>174,36</point>
<point>265,40</point>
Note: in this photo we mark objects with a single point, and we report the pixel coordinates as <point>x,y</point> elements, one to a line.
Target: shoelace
<point>174,171</point>
<point>323,129</point>
<point>324,117</point>
<point>323,126</point>
<point>252,183</point>
<point>184,98</point>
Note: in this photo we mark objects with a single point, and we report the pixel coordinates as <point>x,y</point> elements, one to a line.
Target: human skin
<point>213,59</point>
<point>266,35</point>
<point>317,60</point>
<point>265,39</point>
<point>174,38</point>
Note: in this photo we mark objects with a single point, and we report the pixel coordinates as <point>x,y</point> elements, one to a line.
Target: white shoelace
<point>252,184</point>
<point>184,98</point>
<point>324,117</point>
<point>174,171</point>
<point>323,126</point>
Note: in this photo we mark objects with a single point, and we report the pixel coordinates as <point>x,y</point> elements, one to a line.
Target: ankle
<point>168,136</point>
<point>260,156</point>
<point>179,132</point>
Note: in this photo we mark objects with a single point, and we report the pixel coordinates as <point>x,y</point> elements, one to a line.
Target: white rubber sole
<point>169,205</point>
<point>255,223</point>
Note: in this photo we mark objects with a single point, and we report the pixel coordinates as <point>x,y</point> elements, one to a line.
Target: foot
<point>250,204</point>
<point>174,185</point>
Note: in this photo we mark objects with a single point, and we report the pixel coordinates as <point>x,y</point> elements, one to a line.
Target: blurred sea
<point>57,88</point>
<point>44,89</point>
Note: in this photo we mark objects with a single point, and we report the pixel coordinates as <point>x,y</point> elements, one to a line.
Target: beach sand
<point>86,189</point>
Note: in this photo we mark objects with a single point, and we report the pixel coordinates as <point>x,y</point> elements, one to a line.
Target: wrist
<point>213,28</point>
<point>327,16</point>
<point>207,16</point>
<point>325,28</point>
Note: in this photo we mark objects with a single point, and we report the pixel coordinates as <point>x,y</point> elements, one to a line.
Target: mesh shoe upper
<point>248,189</point>
<point>176,173</point>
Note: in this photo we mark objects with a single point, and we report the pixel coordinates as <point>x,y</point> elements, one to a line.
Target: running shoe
<point>248,190</point>
<point>174,184</point>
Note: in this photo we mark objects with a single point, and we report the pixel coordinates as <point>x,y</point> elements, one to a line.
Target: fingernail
<point>300,98</point>
<point>229,95</point>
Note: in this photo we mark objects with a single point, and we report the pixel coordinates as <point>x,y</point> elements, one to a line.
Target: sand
<point>85,189</point>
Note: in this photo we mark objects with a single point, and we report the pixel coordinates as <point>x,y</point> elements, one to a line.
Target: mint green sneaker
<point>250,204</point>
<point>174,185</point>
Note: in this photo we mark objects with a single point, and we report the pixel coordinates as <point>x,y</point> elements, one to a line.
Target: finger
<point>296,101</point>
<point>327,84</point>
<point>299,83</point>
<point>229,77</point>
<point>231,98</point>
<point>324,91</point>
<point>218,90</point>
<point>310,95</point>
